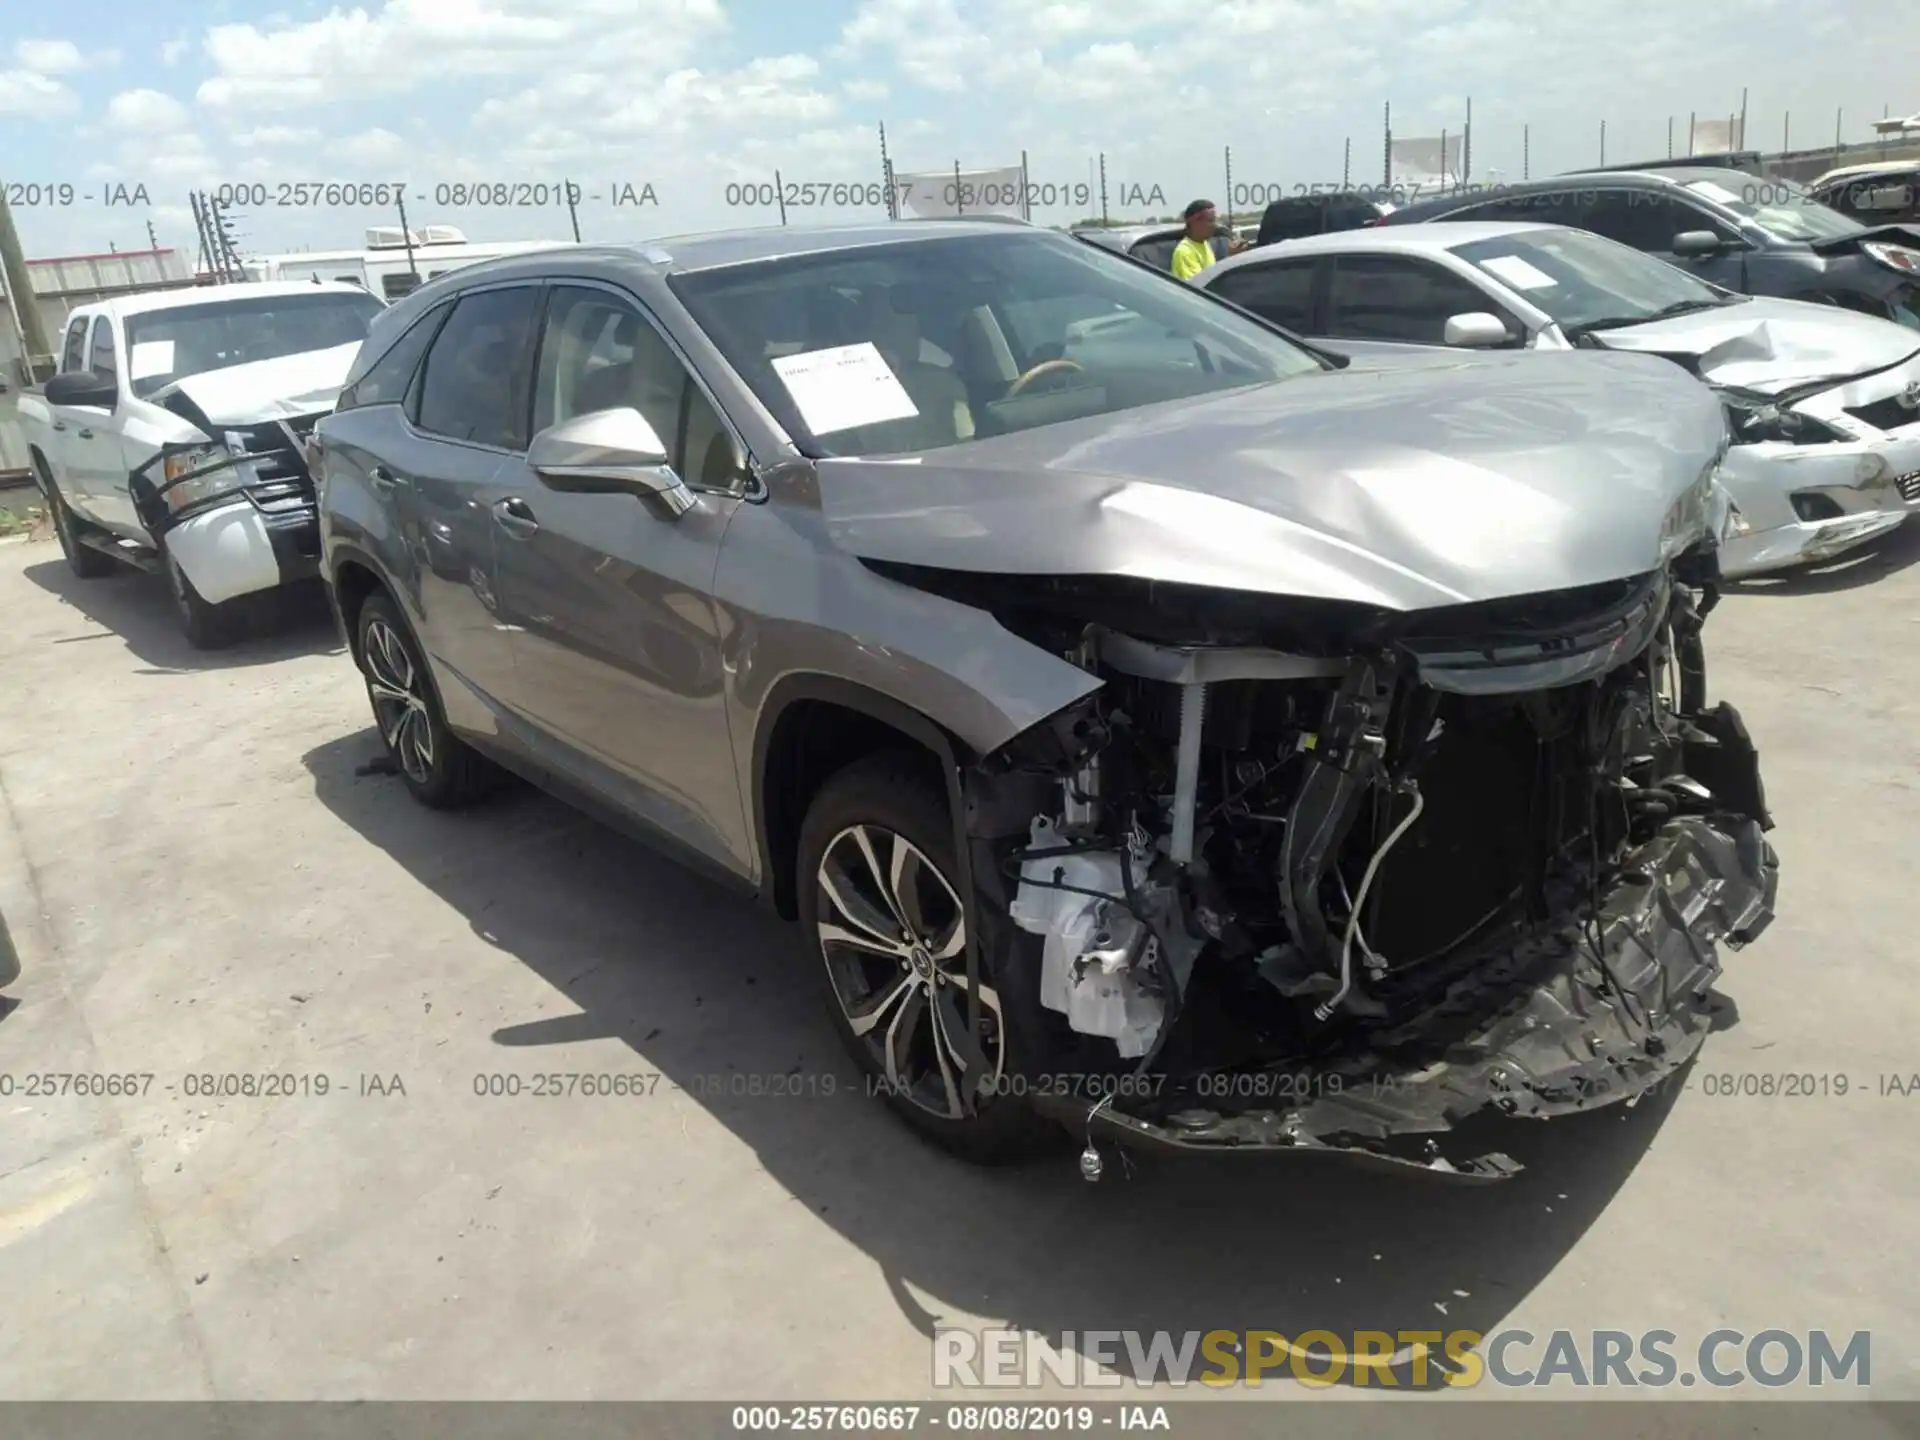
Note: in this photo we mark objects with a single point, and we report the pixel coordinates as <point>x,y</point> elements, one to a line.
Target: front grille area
<point>1888,414</point>
<point>1909,485</point>
<point>281,464</point>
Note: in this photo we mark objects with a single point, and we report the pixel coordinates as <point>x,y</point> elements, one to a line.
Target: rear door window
<point>1645,219</point>
<point>1391,297</point>
<point>475,386</point>
<point>1157,253</point>
<point>1279,290</point>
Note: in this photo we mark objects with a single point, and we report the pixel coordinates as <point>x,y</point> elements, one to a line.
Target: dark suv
<point>1297,216</point>
<point>1746,233</point>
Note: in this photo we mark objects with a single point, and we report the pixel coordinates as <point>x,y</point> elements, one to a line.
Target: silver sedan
<point>1822,404</point>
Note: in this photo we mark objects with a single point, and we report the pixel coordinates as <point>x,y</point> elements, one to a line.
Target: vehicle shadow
<point>1880,557</point>
<point>135,606</point>
<point>702,985</point>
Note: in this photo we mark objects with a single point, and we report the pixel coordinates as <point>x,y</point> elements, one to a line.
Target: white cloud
<point>157,143</point>
<point>569,118</point>
<point>404,43</point>
<point>927,39</point>
<point>374,147</point>
<point>28,92</point>
<point>49,57</point>
<point>273,137</point>
<point>146,111</point>
<point>668,91</point>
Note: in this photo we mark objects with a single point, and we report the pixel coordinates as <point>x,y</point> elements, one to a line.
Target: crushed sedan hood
<point>1406,486</point>
<point>1767,345</point>
<point>274,389</point>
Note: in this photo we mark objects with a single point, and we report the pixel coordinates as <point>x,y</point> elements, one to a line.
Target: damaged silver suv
<point>1154,725</point>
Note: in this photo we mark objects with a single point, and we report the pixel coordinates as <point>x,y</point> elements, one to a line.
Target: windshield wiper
<point>1665,312</point>
<point>1687,307</point>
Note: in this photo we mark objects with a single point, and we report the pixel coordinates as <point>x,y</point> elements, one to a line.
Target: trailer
<point>392,262</point>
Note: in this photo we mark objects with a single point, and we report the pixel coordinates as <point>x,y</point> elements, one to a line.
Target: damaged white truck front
<point>173,438</point>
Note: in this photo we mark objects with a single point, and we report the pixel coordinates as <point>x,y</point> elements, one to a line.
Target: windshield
<point>936,342</point>
<point>1583,280</point>
<point>1780,208</point>
<point>166,345</point>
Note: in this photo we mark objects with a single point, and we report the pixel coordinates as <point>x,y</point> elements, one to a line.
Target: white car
<point>173,437</point>
<point>1822,403</point>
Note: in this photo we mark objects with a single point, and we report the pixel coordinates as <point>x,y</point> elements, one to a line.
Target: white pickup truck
<point>173,437</point>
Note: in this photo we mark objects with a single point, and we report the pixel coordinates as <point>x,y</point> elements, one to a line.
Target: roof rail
<point>990,217</point>
<point>1727,160</point>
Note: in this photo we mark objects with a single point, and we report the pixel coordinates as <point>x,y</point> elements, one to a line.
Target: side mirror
<point>83,389</point>
<point>1477,330</point>
<point>608,452</point>
<point>1693,243</point>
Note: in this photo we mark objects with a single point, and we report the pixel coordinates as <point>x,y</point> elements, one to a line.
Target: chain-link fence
<point>1109,188</point>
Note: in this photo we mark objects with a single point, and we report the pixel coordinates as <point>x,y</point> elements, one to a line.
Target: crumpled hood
<point>1406,485</point>
<point>266,389</point>
<point>1768,345</point>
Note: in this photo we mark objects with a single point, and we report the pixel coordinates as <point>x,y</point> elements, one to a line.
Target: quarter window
<point>74,356</point>
<point>101,358</point>
<point>391,376</point>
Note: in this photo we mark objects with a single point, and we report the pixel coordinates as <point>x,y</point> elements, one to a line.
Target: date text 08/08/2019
<point>443,194</point>
<point>960,195</point>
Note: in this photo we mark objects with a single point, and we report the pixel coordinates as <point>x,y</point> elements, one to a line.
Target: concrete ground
<point>201,877</point>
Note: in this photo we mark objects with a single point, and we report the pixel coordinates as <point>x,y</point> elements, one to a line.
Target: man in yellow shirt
<point>1194,253</point>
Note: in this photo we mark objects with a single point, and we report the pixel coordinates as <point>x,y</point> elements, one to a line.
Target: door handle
<point>384,478</point>
<point>85,433</point>
<point>515,517</point>
<point>59,425</point>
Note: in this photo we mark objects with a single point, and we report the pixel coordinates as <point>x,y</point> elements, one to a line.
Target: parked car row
<point>1749,234</point>
<point>1158,723</point>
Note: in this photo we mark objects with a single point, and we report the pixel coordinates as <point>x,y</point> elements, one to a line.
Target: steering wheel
<point>1043,368</point>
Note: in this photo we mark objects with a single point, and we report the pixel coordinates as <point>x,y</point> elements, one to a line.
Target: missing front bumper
<point>1606,1008</point>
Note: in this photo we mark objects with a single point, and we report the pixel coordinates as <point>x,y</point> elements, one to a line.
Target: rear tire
<point>877,843</point>
<point>206,626</point>
<point>85,561</point>
<point>439,770</point>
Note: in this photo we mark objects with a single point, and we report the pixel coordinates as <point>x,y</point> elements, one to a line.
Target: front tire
<point>441,771</point>
<point>85,561</point>
<point>206,626</point>
<point>880,907</point>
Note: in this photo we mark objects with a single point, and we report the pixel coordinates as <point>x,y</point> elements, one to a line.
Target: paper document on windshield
<point>1715,192</point>
<point>1518,273</point>
<point>150,358</point>
<point>843,387</point>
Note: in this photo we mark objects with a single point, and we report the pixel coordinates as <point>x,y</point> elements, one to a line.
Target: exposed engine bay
<point>1341,885</point>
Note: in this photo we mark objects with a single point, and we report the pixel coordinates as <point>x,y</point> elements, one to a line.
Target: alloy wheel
<point>398,692</point>
<point>893,933</point>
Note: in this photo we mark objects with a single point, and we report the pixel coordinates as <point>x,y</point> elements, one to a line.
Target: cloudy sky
<point>694,96</point>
